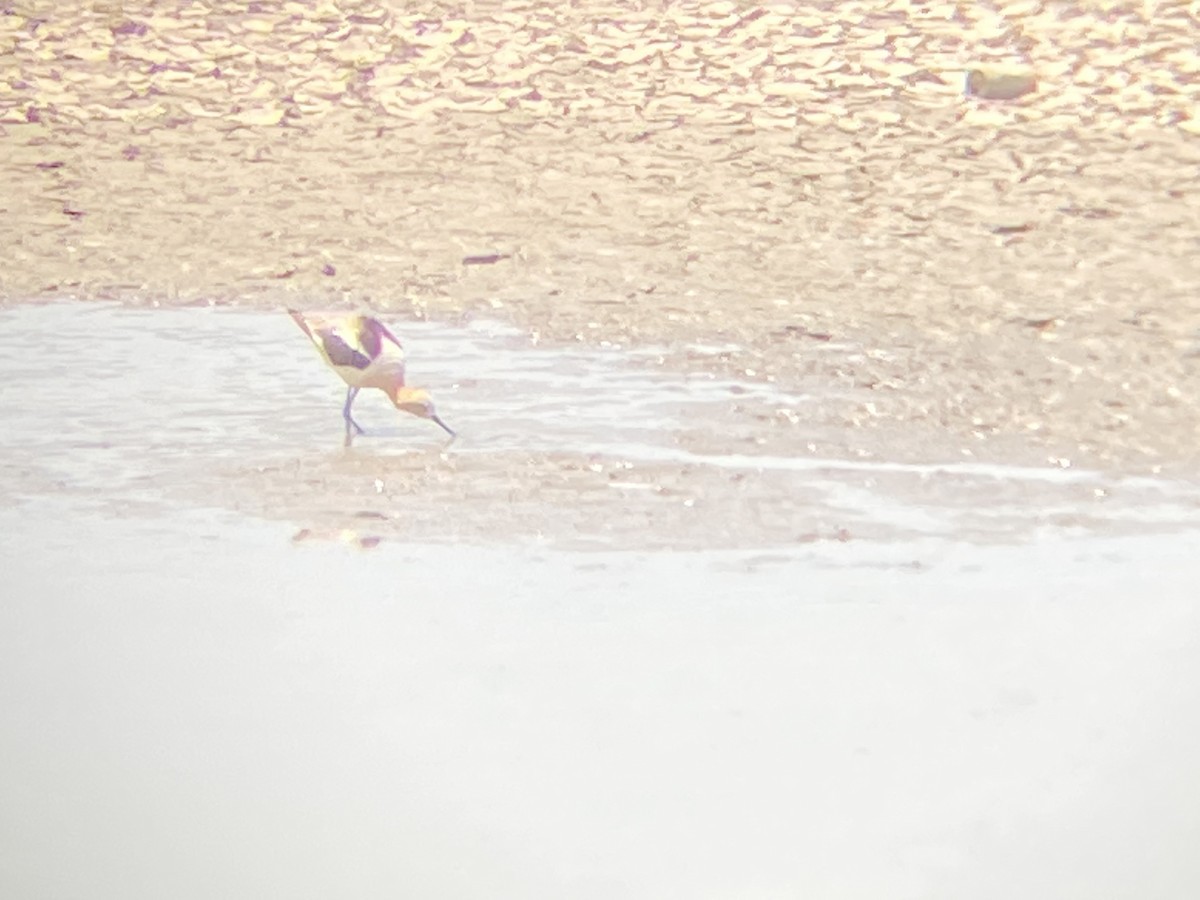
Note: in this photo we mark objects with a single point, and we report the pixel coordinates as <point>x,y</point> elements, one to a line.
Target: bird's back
<point>357,346</point>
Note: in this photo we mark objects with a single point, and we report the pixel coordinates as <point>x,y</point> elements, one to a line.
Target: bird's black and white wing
<point>339,351</point>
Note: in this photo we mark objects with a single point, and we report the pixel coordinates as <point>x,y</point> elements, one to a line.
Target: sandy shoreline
<point>1007,282</point>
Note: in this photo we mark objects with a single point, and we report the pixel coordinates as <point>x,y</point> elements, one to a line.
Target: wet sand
<point>565,449</point>
<point>824,519</point>
<point>1009,281</point>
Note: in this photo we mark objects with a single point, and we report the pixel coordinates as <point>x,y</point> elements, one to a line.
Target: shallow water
<point>988,689</point>
<point>195,706</point>
<point>233,409</point>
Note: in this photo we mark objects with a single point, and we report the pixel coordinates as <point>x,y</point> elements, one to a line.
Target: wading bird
<point>366,355</point>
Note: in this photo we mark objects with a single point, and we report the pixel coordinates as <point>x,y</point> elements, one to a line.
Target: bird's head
<point>417,402</point>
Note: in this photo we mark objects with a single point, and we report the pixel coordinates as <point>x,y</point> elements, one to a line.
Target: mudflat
<point>823,520</point>
<point>797,197</point>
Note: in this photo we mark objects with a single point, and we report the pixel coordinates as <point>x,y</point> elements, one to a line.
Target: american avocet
<point>366,355</point>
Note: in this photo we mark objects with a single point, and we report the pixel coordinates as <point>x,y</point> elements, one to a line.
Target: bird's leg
<point>351,393</point>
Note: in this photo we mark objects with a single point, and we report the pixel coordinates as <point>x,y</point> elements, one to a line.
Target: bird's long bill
<point>450,431</point>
